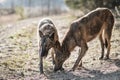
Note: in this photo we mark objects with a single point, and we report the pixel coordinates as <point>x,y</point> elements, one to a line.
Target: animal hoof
<point>80,68</point>
<point>107,58</point>
<point>42,76</point>
<point>101,58</point>
<point>62,69</point>
<point>56,69</point>
<point>41,72</point>
<point>80,65</point>
<point>72,69</point>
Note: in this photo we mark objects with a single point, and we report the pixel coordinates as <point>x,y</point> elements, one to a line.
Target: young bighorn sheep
<point>98,22</point>
<point>48,38</point>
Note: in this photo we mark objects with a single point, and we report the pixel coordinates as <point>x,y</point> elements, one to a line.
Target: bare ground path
<point>19,55</point>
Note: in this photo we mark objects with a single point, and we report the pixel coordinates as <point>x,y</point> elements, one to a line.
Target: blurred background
<point>35,8</point>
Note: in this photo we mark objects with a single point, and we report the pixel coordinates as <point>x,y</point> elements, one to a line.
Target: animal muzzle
<point>44,52</point>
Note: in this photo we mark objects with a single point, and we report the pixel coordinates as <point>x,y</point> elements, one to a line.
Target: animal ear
<point>51,36</point>
<point>40,34</point>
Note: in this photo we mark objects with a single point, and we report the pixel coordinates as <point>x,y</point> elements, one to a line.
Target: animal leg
<point>102,46</point>
<point>84,48</point>
<point>108,50</point>
<point>80,64</point>
<point>40,63</point>
<point>108,33</point>
<point>52,54</point>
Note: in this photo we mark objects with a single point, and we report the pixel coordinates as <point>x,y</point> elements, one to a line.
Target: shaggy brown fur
<point>98,22</point>
<point>48,38</point>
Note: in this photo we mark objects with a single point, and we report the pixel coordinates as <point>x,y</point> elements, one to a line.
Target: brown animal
<point>48,38</point>
<point>98,22</point>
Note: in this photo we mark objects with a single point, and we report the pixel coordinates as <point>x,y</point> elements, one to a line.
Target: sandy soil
<point>19,54</point>
<point>9,18</point>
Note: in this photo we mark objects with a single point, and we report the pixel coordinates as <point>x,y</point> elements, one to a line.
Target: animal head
<point>46,42</point>
<point>59,60</point>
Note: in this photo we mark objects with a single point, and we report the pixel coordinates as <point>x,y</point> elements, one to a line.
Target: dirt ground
<point>19,54</point>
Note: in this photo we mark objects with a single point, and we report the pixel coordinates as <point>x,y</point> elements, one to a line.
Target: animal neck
<point>57,45</point>
<point>68,45</point>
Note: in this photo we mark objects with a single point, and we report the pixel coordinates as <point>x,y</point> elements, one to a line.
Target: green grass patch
<point>23,38</point>
<point>15,63</point>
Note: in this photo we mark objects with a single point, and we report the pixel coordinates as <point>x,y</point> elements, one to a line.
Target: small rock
<point>22,74</point>
<point>94,59</point>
